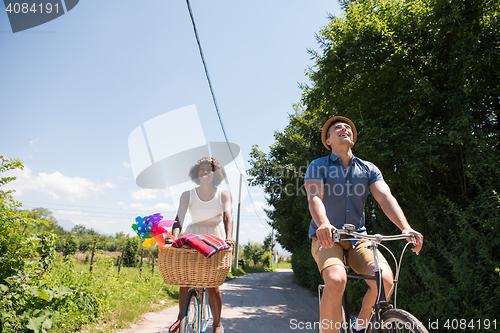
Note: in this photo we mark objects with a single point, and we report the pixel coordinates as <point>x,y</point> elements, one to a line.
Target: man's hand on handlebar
<point>419,239</point>
<point>324,235</point>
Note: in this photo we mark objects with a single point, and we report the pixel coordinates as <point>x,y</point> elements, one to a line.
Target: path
<point>259,302</point>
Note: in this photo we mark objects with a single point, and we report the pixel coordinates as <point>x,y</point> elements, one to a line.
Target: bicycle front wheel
<point>400,321</point>
<point>190,313</point>
<point>206,315</point>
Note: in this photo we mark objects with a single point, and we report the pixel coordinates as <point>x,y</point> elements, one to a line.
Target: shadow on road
<point>267,302</point>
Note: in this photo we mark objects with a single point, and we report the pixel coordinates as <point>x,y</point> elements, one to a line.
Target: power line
<point>213,94</point>
<point>126,212</point>
<point>96,212</point>
<point>68,205</point>
<point>76,214</point>
<point>209,81</point>
<point>121,214</point>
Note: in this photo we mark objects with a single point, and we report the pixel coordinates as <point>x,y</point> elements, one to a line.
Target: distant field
<point>283,265</point>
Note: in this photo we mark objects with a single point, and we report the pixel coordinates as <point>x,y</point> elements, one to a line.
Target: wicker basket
<point>189,268</point>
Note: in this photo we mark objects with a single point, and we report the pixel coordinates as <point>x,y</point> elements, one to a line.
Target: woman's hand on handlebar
<point>325,235</point>
<point>231,244</point>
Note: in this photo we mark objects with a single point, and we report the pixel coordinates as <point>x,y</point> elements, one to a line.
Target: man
<point>337,187</point>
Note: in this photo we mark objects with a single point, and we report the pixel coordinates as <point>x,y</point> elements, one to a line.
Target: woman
<point>211,211</point>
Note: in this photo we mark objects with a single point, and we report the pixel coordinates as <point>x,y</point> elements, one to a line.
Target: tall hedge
<point>421,81</point>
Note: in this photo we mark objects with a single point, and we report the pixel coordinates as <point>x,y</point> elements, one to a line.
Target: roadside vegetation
<point>52,280</point>
<point>44,290</point>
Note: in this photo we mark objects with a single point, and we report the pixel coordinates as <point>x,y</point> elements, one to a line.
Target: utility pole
<point>272,247</point>
<point>236,250</point>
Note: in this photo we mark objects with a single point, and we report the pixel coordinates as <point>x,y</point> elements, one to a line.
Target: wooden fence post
<point>140,267</point>
<point>92,256</point>
<point>121,258</point>
<point>152,262</point>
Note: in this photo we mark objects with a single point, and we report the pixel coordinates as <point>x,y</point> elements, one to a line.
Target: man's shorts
<point>359,258</point>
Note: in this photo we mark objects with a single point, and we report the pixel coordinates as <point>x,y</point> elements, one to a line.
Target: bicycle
<point>195,314</point>
<point>385,317</point>
<point>189,268</point>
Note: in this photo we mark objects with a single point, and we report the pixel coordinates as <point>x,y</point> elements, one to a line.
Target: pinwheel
<point>151,228</point>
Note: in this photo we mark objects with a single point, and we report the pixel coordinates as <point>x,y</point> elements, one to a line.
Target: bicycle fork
<point>204,317</point>
<point>381,301</point>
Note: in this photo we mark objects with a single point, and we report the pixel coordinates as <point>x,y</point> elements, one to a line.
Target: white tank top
<point>206,215</point>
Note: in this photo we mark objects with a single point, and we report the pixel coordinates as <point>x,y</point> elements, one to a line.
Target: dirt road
<point>261,302</point>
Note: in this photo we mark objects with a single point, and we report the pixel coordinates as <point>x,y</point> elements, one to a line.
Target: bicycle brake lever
<point>336,236</point>
<point>413,240</point>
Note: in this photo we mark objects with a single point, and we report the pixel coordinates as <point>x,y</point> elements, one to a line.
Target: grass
<point>144,300</point>
<point>148,293</point>
<point>117,291</point>
<point>248,269</point>
<point>283,265</point>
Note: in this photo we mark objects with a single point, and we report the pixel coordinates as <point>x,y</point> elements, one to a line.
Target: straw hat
<point>335,119</point>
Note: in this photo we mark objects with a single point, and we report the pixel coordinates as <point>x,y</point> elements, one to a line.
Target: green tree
<point>120,235</point>
<point>82,231</point>
<point>421,82</point>
<point>253,252</point>
<point>269,243</point>
<point>49,222</point>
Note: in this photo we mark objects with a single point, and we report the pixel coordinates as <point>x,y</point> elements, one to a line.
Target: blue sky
<point>72,91</point>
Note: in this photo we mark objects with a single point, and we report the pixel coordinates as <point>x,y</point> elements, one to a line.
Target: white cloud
<point>72,213</point>
<point>32,142</point>
<point>144,194</point>
<point>108,226</point>
<point>149,194</point>
<point>126,165</point>
<point>95,224</point>
<point>161,207</point>
<point>55,184</point>
<point>257,206</point>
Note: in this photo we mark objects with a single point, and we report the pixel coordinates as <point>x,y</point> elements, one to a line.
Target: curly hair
<point>219,173</point>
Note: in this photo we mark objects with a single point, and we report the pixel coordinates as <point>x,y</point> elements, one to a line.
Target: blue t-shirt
<point>345,190</point>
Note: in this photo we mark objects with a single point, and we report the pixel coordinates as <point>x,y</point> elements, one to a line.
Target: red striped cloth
<point>207,245</point>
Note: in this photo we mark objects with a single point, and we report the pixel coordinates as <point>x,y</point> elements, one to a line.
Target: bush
<point>113,245</point>
<point>304,267</point>
<point>70,246</point>
<point>267,259</point>
<point>130,254</point>
<point>236,272</point>
<point>85,243</point>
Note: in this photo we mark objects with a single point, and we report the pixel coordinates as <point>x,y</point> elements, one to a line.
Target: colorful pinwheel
<point>151,228</point>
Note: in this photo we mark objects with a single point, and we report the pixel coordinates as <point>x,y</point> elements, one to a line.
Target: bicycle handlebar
<point>349,230</point>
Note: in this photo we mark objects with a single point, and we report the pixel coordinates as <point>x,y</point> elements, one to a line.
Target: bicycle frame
<point>381,302</point>
<point>204,309</point>
<point>204,315</point>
